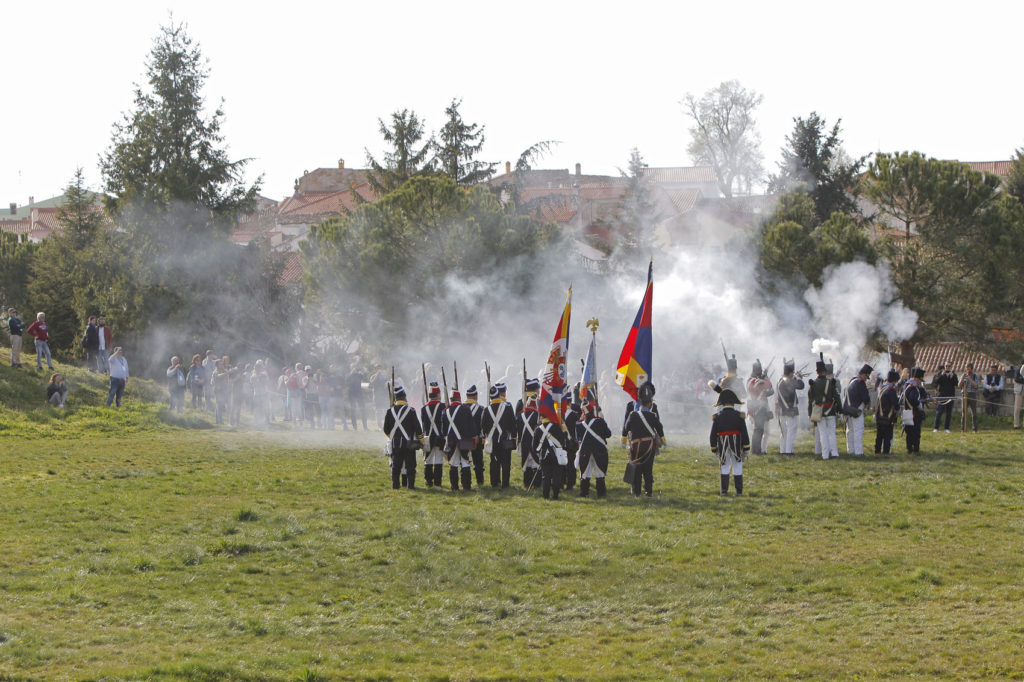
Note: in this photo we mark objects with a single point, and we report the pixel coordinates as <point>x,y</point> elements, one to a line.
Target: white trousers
<point>855,435</point>
<point>826,432</point>
<point>788,436</point>
<point>732,464</point>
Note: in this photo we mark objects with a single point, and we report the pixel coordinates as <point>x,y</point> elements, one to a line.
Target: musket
<point>524,382</point>
<point>455,362</point>
<point>487,372</point>
<point>426,397</point>
<point>766,369</point>
<point>724,355</point>
<point>391,386</point>
<point>445,382</point>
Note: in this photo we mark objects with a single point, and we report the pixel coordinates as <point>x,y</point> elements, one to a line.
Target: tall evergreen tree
<point>167,165</point>
<point>403,160</point>
<point>813,160</point>
<point>79,215</point>
<point>459,144</point>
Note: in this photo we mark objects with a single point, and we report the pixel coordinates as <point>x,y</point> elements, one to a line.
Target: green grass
<point>181,553</point>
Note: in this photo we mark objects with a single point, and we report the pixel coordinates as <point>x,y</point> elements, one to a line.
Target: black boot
<point>739,484</point>
<point>601,490</point>
<point>453,477</point>
<point>467,478</point>
<point>725,484</point>
<point>412,479</point>
<point>584,487</point>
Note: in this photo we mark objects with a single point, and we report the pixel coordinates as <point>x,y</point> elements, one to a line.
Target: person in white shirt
<point>118,376</point>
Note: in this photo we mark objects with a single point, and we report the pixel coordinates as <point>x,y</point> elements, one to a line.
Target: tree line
<point>158,261</point>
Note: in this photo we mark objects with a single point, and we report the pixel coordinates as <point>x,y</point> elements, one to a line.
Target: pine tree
<point>458,147</point>
<point>404,160</point>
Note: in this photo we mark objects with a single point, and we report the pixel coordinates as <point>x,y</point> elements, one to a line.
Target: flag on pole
<point>588,385</point>
<point>553,380</point>
<point>635,360</point>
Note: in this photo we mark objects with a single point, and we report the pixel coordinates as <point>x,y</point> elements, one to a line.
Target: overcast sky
<point>303,83</point>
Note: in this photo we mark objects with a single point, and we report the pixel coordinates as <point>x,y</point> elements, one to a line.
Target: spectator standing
<point>176,385</point>
<point>1018,394</point>
<point>260,381</point>
<point>209,365</point>
<point>56,391</point>
<point>196,381</point>
<point>969,383</point>
<point>118,376</point>
<point>16,328</point>
<point>222,389</point>
<point>945,382</point>
<point>356,400</point>
<point>41,334</point>
<point>993,391</point>
<point>105,339</point>
<point>91,343</point>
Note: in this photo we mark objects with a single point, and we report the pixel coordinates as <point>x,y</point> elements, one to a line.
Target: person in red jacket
<point>40,333</point>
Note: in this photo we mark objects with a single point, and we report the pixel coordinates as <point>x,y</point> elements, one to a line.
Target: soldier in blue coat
<point>886,412</point>
<point>729,439</point>
<point>463,436</point>
<point>404,434</point>
<point>498,431</point>
<point>592,433</point>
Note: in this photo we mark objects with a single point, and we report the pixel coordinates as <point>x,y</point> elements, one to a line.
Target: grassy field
<point>136,546</point>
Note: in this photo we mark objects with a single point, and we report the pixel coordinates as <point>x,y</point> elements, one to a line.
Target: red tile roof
<point>320,204</point>
<point>292,271</point>
<point>682,175</point>
<point>952,354</point>
<point>1000,168</point>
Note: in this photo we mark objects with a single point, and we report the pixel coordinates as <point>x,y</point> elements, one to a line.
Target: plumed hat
<point>819,364</point>
<point>727,398</point>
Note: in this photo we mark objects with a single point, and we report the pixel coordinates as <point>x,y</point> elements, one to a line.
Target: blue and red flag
<point>635,361</point>
<point>553,380</point>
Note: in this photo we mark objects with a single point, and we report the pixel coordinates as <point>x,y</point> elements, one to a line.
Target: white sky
<point>305,82</point>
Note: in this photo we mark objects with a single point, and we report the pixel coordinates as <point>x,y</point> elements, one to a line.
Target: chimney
<point>31,200</point>
<point>508,167</point>
<point>578,169</point>
<point>14,208</point>
<point>341,163</point>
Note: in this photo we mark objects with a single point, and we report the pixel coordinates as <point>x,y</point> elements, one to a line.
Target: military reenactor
<point>885,413</point>
<point>532,387</point>
<point>759,389</point>
<point>729,440</point>
<point>549,446</point>
<point>498,431</point>
<point>592,433</point>
<point>434,418</point>
<point>787,405</point>
<point>858,401</point>
<point>913,400</point>
<point>404,434</point>
<point>527,424</point>
<point>645,436</point>
<point>462,439</point>
<point>632,407</point>
<point>478,452</point>
<point>731,379</point>
<point>823,403</point>
<point>572,416</point>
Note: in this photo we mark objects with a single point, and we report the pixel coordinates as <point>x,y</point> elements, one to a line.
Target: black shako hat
<point>917,373</point>
<point>730,363</point>
<point>866,369</point>
<point>645,393</point>
<point>727,398</point>
<point>756,370</point>
<point>819,364</point>
<point>893,376</point>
